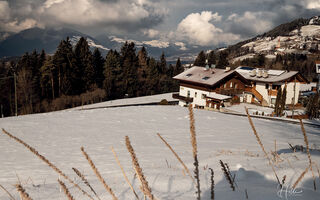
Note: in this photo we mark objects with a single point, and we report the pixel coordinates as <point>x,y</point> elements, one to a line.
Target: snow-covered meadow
<point>59,135</point>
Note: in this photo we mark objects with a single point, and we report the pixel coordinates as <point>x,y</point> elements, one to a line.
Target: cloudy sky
<point>195,22</point>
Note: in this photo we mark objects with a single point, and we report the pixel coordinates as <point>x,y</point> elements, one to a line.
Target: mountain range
<point>299,36</point>
<point>12,45</point>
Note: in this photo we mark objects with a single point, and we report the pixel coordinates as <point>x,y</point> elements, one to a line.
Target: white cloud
<point>151,33</point>
<point>251,23</point>
<point>181,45</point>
<point>4,10</point>
<point>311,4</point>
<point>17,26</point>
<point>157,43</point>
<point>10,24</point>
<point>198,29</point>
<point>96,12</point>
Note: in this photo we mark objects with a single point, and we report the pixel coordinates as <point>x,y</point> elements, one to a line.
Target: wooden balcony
<point>230,91</point>
<point>253,91</point>
<point>272,92</point>
<point>182,98</point>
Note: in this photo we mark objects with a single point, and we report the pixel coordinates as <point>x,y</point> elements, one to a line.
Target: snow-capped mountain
<point>47,39</point>
<point>300,37</point>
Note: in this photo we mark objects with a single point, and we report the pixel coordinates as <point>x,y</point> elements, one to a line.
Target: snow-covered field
<point>59,136</point>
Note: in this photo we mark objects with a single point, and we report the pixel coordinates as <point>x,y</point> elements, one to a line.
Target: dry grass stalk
<point>262,147</point>
<point>212,184</point>
<point>56,169</point>
<point>177,156</point>
<point>144,183</point>
<point>124,174</point>
<point>23,194</point>
<point>85,181</point>
<point>227,174</point>
<point>308,152</point>
<point>194,151</point>
<point>193,132</point>
<point>97,173</point>
<point>4,189</point>
<point>283,179</point>
<point>66,191</point>
<point>300,177</point>
<point>317,170</point>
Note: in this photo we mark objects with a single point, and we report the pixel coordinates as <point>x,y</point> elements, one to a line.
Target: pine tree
<point>113,82</point>
<point>211,58</point>
<point>84,65</point>
<point>178,68</point>
<point>223,60</point>
<point>48,78</point>
<point>129,62</point>
<point>153,77</point>
<point>142,71</point>
<point>200,60</point>
<point>68,74</point>
<point>98,65</point>
<point>163,64</point>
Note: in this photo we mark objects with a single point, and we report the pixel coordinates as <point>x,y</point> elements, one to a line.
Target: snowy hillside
<point>59,136</point>
<point>302,40</point>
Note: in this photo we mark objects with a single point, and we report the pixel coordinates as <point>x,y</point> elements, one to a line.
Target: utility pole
<point>294,95</point>
<point>1,111</point>
<point>15,92</point>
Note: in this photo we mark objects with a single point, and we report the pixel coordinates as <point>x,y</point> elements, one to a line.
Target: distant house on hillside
<point>212,88</point>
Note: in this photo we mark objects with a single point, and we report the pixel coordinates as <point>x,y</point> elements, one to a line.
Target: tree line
<point>74,76</point>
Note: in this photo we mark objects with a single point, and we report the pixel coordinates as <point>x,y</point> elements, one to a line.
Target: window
<point>267,86</point>
<point>203,96</point>
<point>188,75</point>
<point>273,100</point>
<point>230,84</point>
<point>236,85</point>
<point>205,78</point>
<point>195,95</point>
<point>225,85</point>
<point>275,87</point>
<point>188,95</point>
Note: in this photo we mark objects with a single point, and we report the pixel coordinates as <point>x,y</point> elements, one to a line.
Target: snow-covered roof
<point>204,76</point>
<point>273,75</point>
<point>218,96</point>
<point>307,87</point>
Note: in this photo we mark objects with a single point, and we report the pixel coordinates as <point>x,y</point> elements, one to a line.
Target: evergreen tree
<point>200,60</point>
<point>153,77</point>
<point>211,58</point>
<point>113,82</point>
<point>143,58</point>
<point>178,68</point>
<point>163,64</point>
<point>129,62</point>
<point>68,74</point>
<point>142,71</point>
<point>48,78</point>
<point>223,60</point>
<point>85,68</point>
<point>98,65</point>
<point>170,71</point>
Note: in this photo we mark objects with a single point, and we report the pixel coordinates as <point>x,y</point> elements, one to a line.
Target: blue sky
<point>201,22</point>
